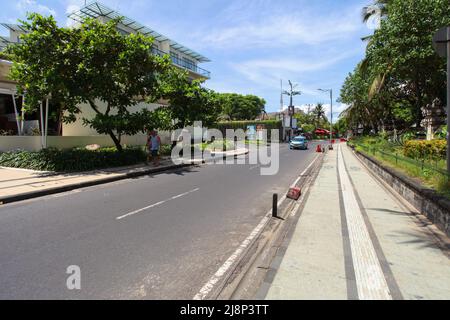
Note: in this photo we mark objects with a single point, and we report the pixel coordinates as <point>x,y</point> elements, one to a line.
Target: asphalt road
<point>156,237</point>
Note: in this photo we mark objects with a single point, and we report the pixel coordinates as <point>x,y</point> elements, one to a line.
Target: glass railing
<point>184,64</point>
<point>158,52</point>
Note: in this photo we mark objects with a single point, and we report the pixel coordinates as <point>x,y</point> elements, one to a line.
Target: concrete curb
<point>50,191</point>
<point>45,192</point>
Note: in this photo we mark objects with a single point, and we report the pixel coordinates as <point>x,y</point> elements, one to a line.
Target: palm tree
<point>319,113</point>
<point>378,7</point>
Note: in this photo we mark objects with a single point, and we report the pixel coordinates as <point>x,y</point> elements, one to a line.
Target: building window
<point>174,57</point>
<point>189,64</point>
<point>123,32</point>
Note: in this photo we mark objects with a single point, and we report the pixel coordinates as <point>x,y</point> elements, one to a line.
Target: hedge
<point>235,125</point>
<point>421,149</point>
<point>72,160</point>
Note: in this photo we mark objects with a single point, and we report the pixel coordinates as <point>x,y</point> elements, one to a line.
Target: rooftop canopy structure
<point>95,9</point>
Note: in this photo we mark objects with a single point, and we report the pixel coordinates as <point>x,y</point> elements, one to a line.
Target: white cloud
<point>69,9</point>
<point>268,72</point>
<point>25,6</point>
<point>282,29</point>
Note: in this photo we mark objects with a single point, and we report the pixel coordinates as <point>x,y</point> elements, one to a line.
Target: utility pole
<point>291,94</point>
<point>281,96</point>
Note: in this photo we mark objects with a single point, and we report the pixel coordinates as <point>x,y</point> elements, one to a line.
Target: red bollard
<point>294,193</point>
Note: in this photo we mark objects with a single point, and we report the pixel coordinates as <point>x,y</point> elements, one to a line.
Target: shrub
<point>166,150</point>
<point>421,149</point>
<point>407,136</point>
<point>77,159</point>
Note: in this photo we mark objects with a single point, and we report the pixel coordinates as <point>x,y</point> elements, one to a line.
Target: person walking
<point>153,145</point>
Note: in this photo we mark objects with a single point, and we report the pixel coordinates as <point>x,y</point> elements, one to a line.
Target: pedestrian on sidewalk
<point>153,145</point>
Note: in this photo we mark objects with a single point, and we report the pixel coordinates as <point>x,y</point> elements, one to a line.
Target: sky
<point>252,44</point>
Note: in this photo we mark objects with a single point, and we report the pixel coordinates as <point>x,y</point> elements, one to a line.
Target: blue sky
<point>252,43</point>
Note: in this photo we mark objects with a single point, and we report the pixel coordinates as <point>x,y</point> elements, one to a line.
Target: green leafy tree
<point>93,64</point>
<point>241,107</point>
<point>188,100</point>
<point>401,73</point>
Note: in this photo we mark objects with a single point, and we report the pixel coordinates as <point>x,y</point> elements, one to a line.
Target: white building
<point>75,134</point>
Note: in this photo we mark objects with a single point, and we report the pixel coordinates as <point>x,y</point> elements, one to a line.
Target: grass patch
<point>429,172</point>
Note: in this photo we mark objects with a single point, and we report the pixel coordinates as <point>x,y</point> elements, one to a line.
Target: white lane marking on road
<point>370,281</point>
<point>156,204</point>
<point>209,286</point>
<point>206,289</point>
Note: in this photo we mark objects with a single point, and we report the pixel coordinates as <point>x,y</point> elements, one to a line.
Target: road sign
<point>287,122</point>
<point>440,39</point>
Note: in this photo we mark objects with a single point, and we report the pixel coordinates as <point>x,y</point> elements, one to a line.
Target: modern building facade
<point>181,57</point>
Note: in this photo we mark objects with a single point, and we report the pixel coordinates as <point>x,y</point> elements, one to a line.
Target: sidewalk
<point>355,240</point>
<point>20,184</point>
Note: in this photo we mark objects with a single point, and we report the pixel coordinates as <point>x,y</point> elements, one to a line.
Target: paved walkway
<point>355,240</point>
<point>21,182</point>
<point>17,181</point>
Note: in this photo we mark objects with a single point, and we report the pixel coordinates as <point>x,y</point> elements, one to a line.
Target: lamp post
<point>441,43</point>
<point>291,93</point>
<point>331,113</point>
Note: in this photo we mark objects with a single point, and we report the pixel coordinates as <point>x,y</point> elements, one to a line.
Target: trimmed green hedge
<point>72,160</point>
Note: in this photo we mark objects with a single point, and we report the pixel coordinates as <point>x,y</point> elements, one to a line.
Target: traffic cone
<point>318,149</point>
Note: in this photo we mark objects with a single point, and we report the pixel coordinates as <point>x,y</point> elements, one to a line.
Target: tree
<point>93,64</point>
<point>401,73</point>
<point>188,100</point>
<point>319,114</point>
<point>378,7</point>
<point>341,126</point>
<point>402,51</point>
<point>241,107</point>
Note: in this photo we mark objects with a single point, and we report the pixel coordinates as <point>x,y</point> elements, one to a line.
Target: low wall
<point>33,143</point>
<point>428,202</point>
<point>30,143</point>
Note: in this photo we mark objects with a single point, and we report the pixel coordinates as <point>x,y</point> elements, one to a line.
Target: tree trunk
<point>419,102</point>
<point>110,132</point>
<point>116,141</point>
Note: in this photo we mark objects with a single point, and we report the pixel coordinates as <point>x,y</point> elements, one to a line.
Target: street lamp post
<point>441,43</point>
<point>291,109</point>
<point>331,112</point>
